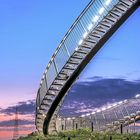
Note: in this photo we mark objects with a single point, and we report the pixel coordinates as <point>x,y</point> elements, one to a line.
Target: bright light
<point>43,76</point>
<point>68,118</point>
<point>82,116</point>
<point>101,10</point>
<point>125,101</point>
<point>85,35</point>
<point>76,49</point>
<point>80,42</point>
<point>90,27</point>
<point>114,104</point>
<point>120,102</point>
<point>137,96</point>
<point>109,107</point>
<point>93,113</point>
<point>88,114</point>
<point>103,109</point>
<point>49,65</point>
<point>95,18</point>
<point>98,110</point>
<point>133,115</point>
<point>51,59</point>
<point>107,2</point>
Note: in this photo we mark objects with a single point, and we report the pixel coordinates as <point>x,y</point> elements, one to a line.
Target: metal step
<point>51,92</point>
<point>99,31</point>
<point>95,38</point>
<point>127,2</point>
<point>46,103</point>
<point>40,130</point>
<point>117,12</point>
<point>48,100</point>
<point>81,52</point>
<point>77,57</point>
<point>40,116</point>
<point>86,46</point>
<point>96,35</point>
<point>73,62</point>
<point>122,7</point>
<point>51,97</point>
<point>60,81</point>
<point>106,24</point>
<point>53,88</point>
<point>67,71</point>
<point>57,84</point>
<point>41,112</point>
<point>39,124</point>
<point>39,121</point>
<point>56,87</point>
<point>70,66</point>
<point>111,18</point>
<point>91,40</point>
<point>85,49</point>
<point>109,21</point>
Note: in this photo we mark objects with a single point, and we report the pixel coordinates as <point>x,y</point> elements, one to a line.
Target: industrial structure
<point>15,132</point>
<point>95,25</point>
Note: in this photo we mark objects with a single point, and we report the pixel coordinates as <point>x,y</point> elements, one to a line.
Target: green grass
<point>83,134</point>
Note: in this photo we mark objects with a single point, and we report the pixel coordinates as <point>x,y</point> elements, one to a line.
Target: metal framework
<point>15,131</point>
<point>95,25</point>
<point>109,118</point>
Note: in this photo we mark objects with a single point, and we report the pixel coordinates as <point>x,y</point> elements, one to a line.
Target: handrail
<point>94,12</point>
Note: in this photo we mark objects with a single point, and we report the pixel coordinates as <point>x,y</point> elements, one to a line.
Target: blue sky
<point>120,56</point>
<point>30,32</point>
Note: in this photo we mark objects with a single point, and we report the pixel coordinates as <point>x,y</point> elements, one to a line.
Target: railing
<point>127,111</point>
<point>89,19</point>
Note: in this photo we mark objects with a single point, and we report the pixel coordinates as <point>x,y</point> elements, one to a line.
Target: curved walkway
<point>109,118</point>
<point>95,25</point>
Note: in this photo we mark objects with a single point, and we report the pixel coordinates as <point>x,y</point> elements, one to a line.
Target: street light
<point>82,116</point>
<point>90,26</point>
<point>101,10</point>
<point>133,116</point>
<point>127,119</point>
<point>103,109</point>
<point>95,19</point>
<point>98,111</point>
<point>137,96</point>
<point>122,121</point>
<point>88,114</point>
<point>108,2</point>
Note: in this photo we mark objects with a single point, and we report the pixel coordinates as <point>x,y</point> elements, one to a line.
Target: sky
<point>30,33</point>
<point>119,57</point>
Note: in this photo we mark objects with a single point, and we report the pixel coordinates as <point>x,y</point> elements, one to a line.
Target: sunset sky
<point>30,33</point>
